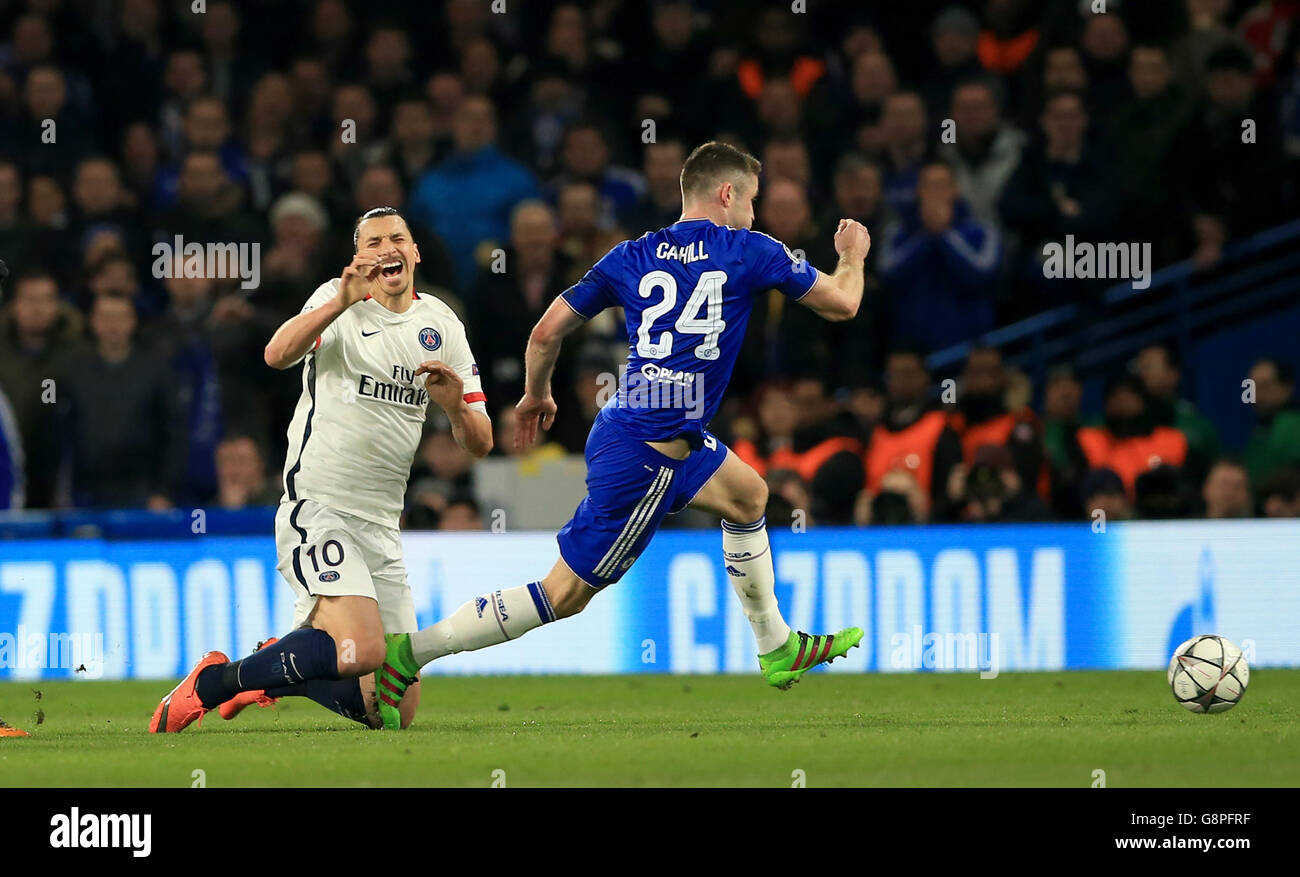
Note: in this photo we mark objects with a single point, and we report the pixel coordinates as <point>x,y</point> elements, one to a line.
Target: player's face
<point>740,212</point>
<point>389,238</point>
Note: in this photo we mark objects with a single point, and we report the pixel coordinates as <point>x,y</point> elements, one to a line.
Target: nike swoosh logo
<point>365,334</point>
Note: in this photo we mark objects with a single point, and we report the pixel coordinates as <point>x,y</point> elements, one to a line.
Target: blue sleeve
<point>594,292</point>
<point>775,267</point>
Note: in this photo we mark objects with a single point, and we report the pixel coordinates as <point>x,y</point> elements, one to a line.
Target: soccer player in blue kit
<point>687,292</point>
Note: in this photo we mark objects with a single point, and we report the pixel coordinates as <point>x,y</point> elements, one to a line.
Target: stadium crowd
<point>522,146</point>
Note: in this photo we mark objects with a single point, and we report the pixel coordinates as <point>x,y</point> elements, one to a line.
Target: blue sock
<point>342,696</point>
<point>302,655</point>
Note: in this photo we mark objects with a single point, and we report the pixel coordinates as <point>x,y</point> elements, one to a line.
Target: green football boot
<point>398,673</point>
<point>782,667</point>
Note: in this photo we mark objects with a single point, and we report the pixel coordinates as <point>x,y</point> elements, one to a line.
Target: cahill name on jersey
<point>362,410</point>
<point>687,291</point>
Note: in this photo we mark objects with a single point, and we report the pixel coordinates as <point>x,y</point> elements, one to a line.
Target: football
<point>1208,674</point>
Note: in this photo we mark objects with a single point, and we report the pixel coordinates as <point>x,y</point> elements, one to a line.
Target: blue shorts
<point>630,487</point>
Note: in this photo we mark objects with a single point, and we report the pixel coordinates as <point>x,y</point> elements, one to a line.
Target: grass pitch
<point>1023,729</point>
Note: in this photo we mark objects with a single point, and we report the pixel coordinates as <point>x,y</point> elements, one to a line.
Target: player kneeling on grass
<point>687,292</point>
<point>376,352</point>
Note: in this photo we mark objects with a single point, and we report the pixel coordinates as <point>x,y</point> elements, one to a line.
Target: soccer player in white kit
<point>376,352</point>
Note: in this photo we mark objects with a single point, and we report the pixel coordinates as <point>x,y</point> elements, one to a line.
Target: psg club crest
<point>430,339</point>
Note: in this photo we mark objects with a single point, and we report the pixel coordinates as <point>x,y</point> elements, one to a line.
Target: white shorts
<point>326,553</point>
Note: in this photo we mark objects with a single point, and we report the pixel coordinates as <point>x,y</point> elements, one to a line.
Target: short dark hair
<point>712,163</point>
<point>373,213</point>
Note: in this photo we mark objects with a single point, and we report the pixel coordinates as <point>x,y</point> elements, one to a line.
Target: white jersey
<point>361,414</point>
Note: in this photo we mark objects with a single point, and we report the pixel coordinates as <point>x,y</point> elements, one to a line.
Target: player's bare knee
<point>751,505</point>
<point>360,655</point>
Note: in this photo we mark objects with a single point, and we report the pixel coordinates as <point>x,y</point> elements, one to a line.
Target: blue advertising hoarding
<point>999,598</point>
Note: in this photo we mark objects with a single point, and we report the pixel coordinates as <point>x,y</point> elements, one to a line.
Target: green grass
<point>1035,729</point>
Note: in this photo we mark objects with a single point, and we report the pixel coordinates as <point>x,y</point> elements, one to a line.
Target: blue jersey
<point>687,291</point>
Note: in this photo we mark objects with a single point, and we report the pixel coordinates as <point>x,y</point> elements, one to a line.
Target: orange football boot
<point>236,704</point>
<point>8,730</point>
<point>182,705</point>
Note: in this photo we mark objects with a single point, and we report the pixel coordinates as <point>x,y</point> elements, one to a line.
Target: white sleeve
<point>461,358</point>
<point>325,292</point>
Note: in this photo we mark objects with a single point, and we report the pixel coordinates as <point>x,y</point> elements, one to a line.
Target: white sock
<point>749,566</point>
<point>484,621</point>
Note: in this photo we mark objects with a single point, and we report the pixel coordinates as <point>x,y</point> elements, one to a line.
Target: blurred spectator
<point>994,492</point>
<point>1145,130</point>
<point>791,340</point>
<point>988,149</point>
<point>984,419</point>
<point>1163,494</point>
<point>939,260</point>
<point>1208,30</point>
<point>1226,491</point>
<point>1279,497</point>
<point>241,475</point>
<point>1161,373</point>
<point>954,40</point>
<point>1009,37</point>
<point>1131,442</point>
<point>1062,398</point>
<point>780,441</point>
<point>661,204</point>
<point>36,331</point>
<point>61,135</point>
<point>585,158</point>
<point>13,227</point>
<point>442,470</point>
<point>467,198</point>
<point>209,206</point>
<point>122,417</point>
<point>905,147</point>
<point>1063,187</point>
<point>1105,43</point>
<point>507,303</point>
<point>388,67</point>
<point>1248,190</point>
<point>1275,441</point>
<point>914,437</point>
<point>1103,491</point>
<point>295,257</point>
<point>231,70</point>
<point>583,236</point>
<point>788,498</point>
<point>462,513</point>
<point>102,203</point>
<point>412,145</point>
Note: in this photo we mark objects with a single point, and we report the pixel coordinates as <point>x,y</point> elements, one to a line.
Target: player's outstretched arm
<point>838,296</point>
<point>537,408</point>
<point>298,334</point>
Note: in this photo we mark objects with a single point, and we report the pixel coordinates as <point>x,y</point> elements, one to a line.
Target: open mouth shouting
<point>392,273</point>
